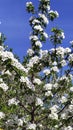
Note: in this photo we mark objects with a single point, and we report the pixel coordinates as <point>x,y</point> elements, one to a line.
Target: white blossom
<point>46,71</point>
<point>71,108</point>
<point>55,85</point>
<point>7,55</point>
<point>27,81</point>
<point>9,122</point>
<point>4,86</point>
<point>53,116</point>
<point>39,102</point>
<point>45,34</point>
<point>2,115</point>
<point>71,42</point>
<point>1,80</point>
<point>72,102</point>
<point>0,34</point>
<point>23,80</point>
<point>48,93</point>
<point>38,43</point>
<point>55,69</point>
<point>63,63</point>
<point>30,65</point>
<point>43,53</point>
<point>18,65</point>
<point>20,122</point>
<point>64,77</point>
<point>34,60</point>
<point>62,35</point>
<point>30,52</point>
<point>1,49</point>
<point>60,51</point>
<point>8,72</point>
<point>33,37</point>
<point>13,101</point>
<point>48,7</point>
<point>29,3</point>
<point>45,19</point>
<point>68,128</point>
<point>31,126</point>
<point>55,12</point>
<point>54,63</point>
<point>63,99</point>
<point>52,50</point>
<point>48,86</point>
<point>63,115</point>
<point>71,89</point>
<point>35,21</point>
<point>56,126</point>
<point>54,109</point>
<point>37,81</point>
<point>38,28</point>
<point>67,50</point>
<point>70,58</point>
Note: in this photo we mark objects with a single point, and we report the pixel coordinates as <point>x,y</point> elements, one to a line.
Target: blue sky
<point>15,25</point>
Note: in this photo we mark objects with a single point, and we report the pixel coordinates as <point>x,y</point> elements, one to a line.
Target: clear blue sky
<point>15,25</point>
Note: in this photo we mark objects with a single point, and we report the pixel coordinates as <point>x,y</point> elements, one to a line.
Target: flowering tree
<point>37,94</point>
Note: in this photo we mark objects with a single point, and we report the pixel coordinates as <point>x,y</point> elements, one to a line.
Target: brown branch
<point>66,121</point>
<point>24,107</point>
<point>43,118</point>
<point>64,107</point>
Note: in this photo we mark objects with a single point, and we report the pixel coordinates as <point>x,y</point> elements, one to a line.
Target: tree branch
<point>24,108</point>
<point>64,107</point>
<point>66,121</point>
<point>43,118</point>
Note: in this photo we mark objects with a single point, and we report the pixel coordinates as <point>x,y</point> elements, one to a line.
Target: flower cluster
<point>6,55</point>
<point>3,85</point>
<point>31,126</point>
<point>37,93</point>
<point>13,101</point>
<point>44,18</point>
<point>30,7</point>
<point>2,115</point>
